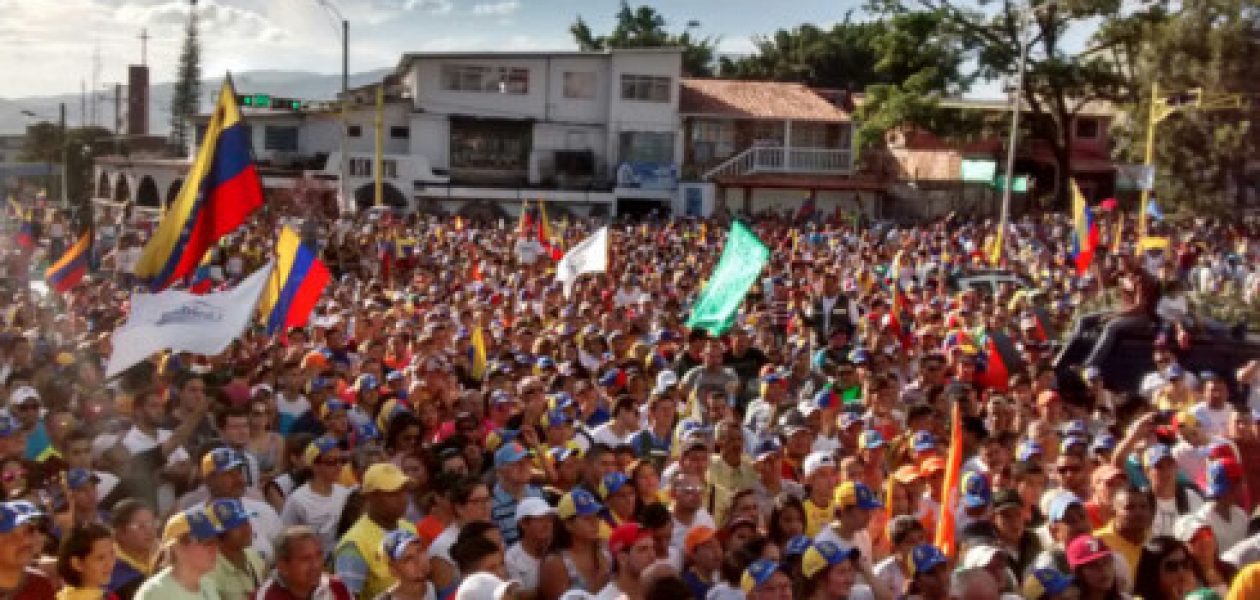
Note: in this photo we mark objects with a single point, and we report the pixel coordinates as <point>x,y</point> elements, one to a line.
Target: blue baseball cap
<point>556,418</point>
<point>923,441</point>
<point>501,397</point>
<point>870,439</point>
<point>545,362</point>
<point>1174,371</point>
<point>849,418</point>
<point>1157,453</point>
<point>220,460</point>
<point>853,493</point>
<point>976,492</point>
<point>797,545</point>
<point>577,503</point>
<point>510,453</point>
<point>395,543</point>
<point>560,454</point>
<point>1060,504</point>
<point>757,574</point>
<point>15,514</point>
<point>1075,428</point>
<point>79,478</point>
<point>765,448</point>
<point>821,555</point>
<point>826,398</point>
<point>612,483</point>
<point>1074,440</point>
<point>1047,582</point>
<point>196,523</point>
<point>1105,442</point>
<point>926,557</point>
<point>229,512</point>
<point>366,381</point>
<point>560,400</point>
<point>1027,449</point>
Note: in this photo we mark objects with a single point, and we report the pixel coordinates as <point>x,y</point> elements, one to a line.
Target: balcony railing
<point>779,159</point>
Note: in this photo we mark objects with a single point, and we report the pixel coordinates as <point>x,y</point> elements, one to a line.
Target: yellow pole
<point>1145,196</point>
<point>380,143</point>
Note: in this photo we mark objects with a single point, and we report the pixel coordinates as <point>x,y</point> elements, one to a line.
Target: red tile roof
<point>756,100</point>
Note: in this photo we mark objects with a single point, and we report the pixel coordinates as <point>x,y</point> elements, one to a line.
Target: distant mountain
<point>291,84</point>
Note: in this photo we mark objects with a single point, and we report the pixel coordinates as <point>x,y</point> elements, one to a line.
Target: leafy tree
<point>1057,84</point>
<point>44,143</point>
<point>1200,154</point>
<point>643,27</point>
<point>186,99</point>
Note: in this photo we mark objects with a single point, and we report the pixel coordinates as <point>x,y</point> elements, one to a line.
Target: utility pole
<point>344,201</point>
<point>61,128</point>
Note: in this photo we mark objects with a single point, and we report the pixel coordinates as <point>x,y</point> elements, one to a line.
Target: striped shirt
<point>503,510</point>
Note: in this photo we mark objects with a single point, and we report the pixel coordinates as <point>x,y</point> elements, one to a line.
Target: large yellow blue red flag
<point>946,528</point>
<point>1084,231</point>
<point>295,285</point>
<point>221,190</point>
<point>69,270</point>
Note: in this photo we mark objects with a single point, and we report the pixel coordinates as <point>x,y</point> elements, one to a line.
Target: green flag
<point>741,263</point>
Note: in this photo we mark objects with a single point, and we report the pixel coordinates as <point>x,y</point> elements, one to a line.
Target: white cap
<point>1187,526</point>
<point>818,460</point>
<point>533,507</point>
<point>666,378</point>
<point>483,586</point>
<point>979,557</point>
<point>22,394</point>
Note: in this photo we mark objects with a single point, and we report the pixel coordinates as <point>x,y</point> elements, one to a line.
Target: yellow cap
<point>384,477</point>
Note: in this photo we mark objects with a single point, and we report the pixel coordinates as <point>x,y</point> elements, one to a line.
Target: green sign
<point>256,100</point>
<point>1019,184</point>
<point>978,170</point>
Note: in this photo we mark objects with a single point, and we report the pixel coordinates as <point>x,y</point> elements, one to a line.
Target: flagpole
<point>380,126</point>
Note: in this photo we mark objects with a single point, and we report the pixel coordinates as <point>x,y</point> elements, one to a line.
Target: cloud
<point>497,9</point>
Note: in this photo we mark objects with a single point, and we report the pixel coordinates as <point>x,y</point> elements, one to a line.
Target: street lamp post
<point>345,98</point>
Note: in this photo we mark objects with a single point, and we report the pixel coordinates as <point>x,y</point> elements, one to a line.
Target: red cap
<point>625,536</point>
<point>1085,549</point>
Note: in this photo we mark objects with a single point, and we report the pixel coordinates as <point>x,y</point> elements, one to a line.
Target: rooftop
<point>409,57</point>
<point>756,100</point>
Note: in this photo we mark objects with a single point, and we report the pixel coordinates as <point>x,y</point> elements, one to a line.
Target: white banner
<point>589,256</point>
<point>184,322</point>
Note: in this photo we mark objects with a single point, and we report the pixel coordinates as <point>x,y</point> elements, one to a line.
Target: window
<point>389,169</point>
<point>354,130</point>
<point>360,167</point>
<point>486,79</point>
<point>767,133</point>
<point>711,140</point>
<point>647,147</point>
<point>579,84</point>
<point>490,146</point>
<point>645,88</point>
<point>809,135</point>
<point>400,133</point>
<point>1087,129</point>
<point>284,139</point>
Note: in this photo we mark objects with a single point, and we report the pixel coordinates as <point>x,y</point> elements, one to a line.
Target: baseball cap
<point>384,477</point>
<point>1218,481</point>
<point>395,543</point>
<point>976,491</point>
<point>611,483</point>
<point>821,555</point>
<point>1105,442</point>
<point>925,557</point>
<point>870,439</point>
<point>22,395</point>
<point>850,418</point>
<point>1075,428</point>
<point>765,448</point>
<point>1027,449</point>
<point>577,503</point>
<point>818,460</point>
<point>797,545</point>
<point>979,556</point>
<point>510,453</point>
<point>923,441</point>
<point>320,446</point>
<point>757,574</point>
<point>626,534</point>
<point>1046,582</point>
<point>1007,498</point>
<point>853,493</point>
<point>826,398</point>
<point>906,474</point>
<point>484,586</point>
<point>1189,525</point>
<point>331,406</point>
<point>1157,453</point>
<point>193,522</point>
<point>78,478</point>
<point>1060,504</point>
<point>229,513</point>
<point>1085,549</point>
<point>15,514</point>
<point>533,507</point>
<point>220,460</point>
<point>1105,473</point>
<point>696,536</point>
<point>1174,371</point>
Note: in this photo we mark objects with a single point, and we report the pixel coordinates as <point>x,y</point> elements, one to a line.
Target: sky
<point>47,46</point>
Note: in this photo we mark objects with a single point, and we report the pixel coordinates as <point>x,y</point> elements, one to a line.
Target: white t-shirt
<point>604,434</point>
<point>441,546</point>
<point>861,540</point>
<point>1228,532</point>
<point>1166,514</point>
<point>610,592</point>
<point>890,572</point>
<point>305,507</point>
<point>290,410</point>
<point>522,567</point>
<point>137,441</point>
<point>701,518</point>
<point>1213,421</point>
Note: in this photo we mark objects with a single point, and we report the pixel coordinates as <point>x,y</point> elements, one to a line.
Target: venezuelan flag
<point>26,234</point>
<point>1084,231</point>
<point>69,270</point>
<point>295,285</point>
<point>202,283</point>
<point>221,190</point>
<point>946,535</point>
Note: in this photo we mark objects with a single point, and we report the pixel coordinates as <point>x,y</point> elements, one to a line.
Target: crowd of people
<point>604,450</point>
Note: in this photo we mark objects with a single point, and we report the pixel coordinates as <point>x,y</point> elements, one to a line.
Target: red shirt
<point>34,586</point>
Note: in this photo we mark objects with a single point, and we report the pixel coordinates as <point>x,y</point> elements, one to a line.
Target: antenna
<point>96,78</point>
<point>144,46</point>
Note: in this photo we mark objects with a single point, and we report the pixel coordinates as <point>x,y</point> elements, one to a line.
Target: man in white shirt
<point>853,505</point>
<point>1213,412</point>
<point>318,502</point>
<point>1221,511</point>
<point>688,491</point>
<point>621,428</point>
<point>534,519</point>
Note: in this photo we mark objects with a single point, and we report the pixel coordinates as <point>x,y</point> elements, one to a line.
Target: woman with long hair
<point>787,519</point>
<point>85,563</point>
<point>295,471</point>
<point>188,552</point>
<point>1166,570</point>
<point>581,561</point>
<point>1197,535</point>
<point>647,482</point>
<point>135,538</point>
<point>264,441</point>
<point>1094,568</point>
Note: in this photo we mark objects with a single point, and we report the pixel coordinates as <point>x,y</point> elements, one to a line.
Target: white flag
<point>185,322</point>
<point>589,256</point>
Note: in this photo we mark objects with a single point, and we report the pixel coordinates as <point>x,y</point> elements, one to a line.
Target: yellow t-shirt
<point>1130,551</point>
<point>816,517</point>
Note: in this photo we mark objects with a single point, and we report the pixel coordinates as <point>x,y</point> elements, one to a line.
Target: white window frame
<point>646,88</point>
